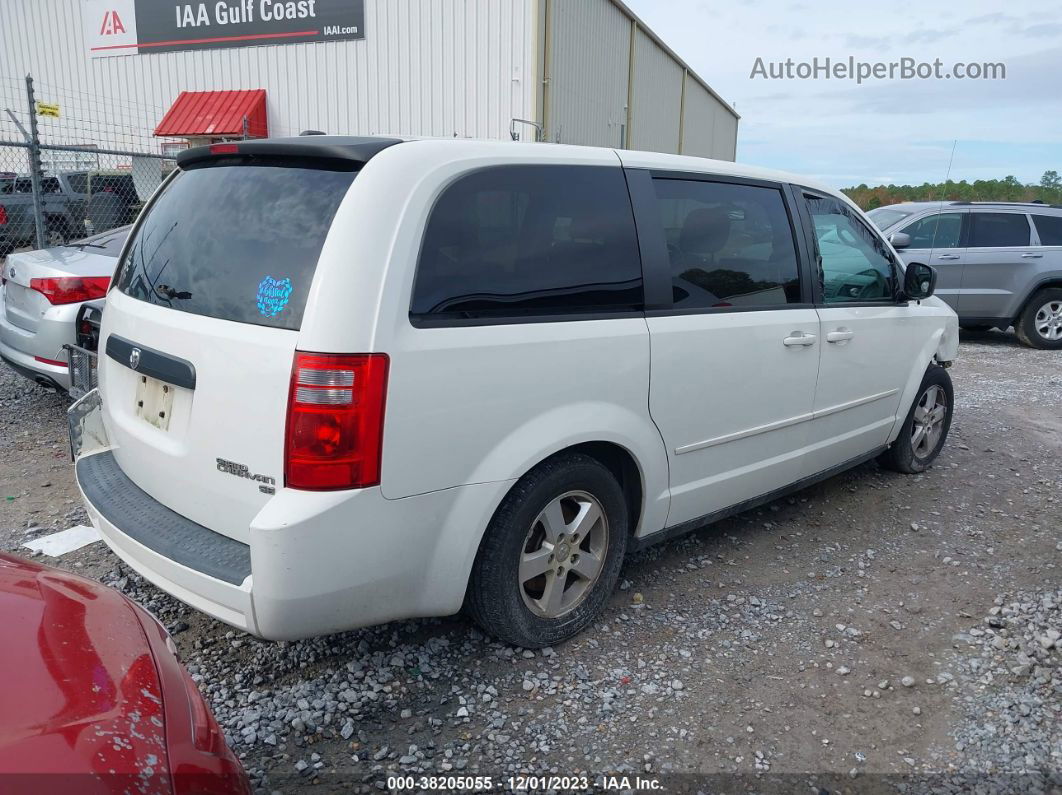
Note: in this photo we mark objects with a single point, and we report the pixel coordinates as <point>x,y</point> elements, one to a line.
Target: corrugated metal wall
<point>589,60</point>
<point>590,84</point>
<point>709,129</point>
<point>657,94</point>
<point>425,67</point>
<point>726,127</point>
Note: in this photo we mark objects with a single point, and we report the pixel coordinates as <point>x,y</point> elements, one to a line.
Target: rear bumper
<point>19,347</point>
<point>39,373</point>
<point>317,562</point>
<point>152,540</point>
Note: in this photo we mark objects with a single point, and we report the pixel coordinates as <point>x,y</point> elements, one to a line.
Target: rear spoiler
<point>352,150</point>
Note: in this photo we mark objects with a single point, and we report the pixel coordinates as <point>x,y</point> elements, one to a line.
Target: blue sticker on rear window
<point>273,296</point>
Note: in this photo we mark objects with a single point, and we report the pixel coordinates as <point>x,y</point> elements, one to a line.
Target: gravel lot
<point>873,633</point>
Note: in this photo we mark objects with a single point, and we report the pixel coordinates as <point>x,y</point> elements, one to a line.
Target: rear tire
<point>552,553</point>
<point>1040,325</point>
<point>926,428</point>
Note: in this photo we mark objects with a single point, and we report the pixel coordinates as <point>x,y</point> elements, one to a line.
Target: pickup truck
<point>16,212</point>
<point>75,203</point>
<point>14,216</point>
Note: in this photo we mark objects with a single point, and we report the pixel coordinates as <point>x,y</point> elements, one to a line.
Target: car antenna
<point>940,209</point>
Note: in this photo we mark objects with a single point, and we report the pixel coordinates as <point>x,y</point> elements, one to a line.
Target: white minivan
<point>350,380</point>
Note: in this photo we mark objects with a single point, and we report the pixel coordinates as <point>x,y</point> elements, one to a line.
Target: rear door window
<point>728,244</point>
<point>1049,227</point>
<point>526,241</point>
<point>120,184</point>
<point>236,242</point>
<point>998,230</point>
<point>78,182</point>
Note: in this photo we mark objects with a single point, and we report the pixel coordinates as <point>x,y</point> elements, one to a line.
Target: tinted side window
<point>530,240</point>
<point>728,245</point>
<point>114,183</point>
<point>50,185</point>
<point>855,265</point>
<point>942,230</point>
<point>996,230</point>
<point>1049,228</point>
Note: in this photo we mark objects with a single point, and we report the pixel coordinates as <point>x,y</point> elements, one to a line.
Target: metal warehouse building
<point>574,71</point>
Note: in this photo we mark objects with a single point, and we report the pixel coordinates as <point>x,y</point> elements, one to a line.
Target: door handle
<point>947,256</point>
<point>1031,256</point>
<point>799,338</point>
<point>841,335</point>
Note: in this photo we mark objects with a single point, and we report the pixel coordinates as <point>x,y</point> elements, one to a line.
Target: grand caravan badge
<point>267,485</point>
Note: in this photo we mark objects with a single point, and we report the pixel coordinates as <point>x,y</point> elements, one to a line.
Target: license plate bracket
<point>154,401</point>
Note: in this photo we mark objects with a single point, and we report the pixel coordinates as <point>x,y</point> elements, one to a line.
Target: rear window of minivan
<point>526,241</point>
<point>238,242</point>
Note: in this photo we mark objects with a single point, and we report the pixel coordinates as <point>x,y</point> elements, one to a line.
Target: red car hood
<point>80,692</point>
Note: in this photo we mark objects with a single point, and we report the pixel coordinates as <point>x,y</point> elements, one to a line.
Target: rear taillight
<point>335,421</point>
<point>71,289</point>
<point>3,215</point>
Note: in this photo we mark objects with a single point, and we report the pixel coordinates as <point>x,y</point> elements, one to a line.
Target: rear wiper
<point>169,293</point>
<point>84,245</point>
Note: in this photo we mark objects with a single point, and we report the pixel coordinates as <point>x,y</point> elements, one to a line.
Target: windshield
<point>233,241</point>
<point>106,243</point>
<point>884,217</point>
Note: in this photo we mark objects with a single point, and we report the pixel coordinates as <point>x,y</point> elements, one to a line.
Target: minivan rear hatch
<point>200,327</point>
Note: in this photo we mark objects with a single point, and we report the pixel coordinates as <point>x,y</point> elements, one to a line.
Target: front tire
<point>552,553</point>
<point>1040,325</point>
<point>926,428</point>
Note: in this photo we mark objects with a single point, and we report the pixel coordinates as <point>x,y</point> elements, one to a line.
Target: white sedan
<point>43,293</point>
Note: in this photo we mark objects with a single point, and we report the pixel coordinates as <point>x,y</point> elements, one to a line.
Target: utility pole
<point>35,165</point>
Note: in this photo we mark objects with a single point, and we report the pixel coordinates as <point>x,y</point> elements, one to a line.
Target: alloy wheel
<point>563,554</point>
<point>1048,321</point>
<point>929,415</point>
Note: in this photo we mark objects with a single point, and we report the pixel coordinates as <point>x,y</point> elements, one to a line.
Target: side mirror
<point>900,240</point>
<point>919,281</point>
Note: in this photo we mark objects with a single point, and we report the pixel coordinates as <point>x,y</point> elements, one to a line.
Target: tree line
<point>1010,189</point>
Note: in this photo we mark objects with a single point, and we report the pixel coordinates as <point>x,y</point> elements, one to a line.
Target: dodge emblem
<point>134,358</point>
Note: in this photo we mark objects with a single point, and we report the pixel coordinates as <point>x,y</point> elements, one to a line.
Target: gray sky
<point>881,131</point>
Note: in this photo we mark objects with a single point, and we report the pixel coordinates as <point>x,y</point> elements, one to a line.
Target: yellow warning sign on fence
<point>46,109</point>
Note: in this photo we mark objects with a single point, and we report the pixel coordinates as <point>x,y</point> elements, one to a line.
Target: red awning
<point>216,113</point>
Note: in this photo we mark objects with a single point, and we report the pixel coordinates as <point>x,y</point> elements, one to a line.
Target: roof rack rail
<point>997,203</point>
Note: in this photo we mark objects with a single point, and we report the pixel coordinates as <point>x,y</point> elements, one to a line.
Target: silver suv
<point>999,264</point>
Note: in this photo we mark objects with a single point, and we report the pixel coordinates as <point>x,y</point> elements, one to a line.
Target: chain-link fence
<point>72,164</point>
